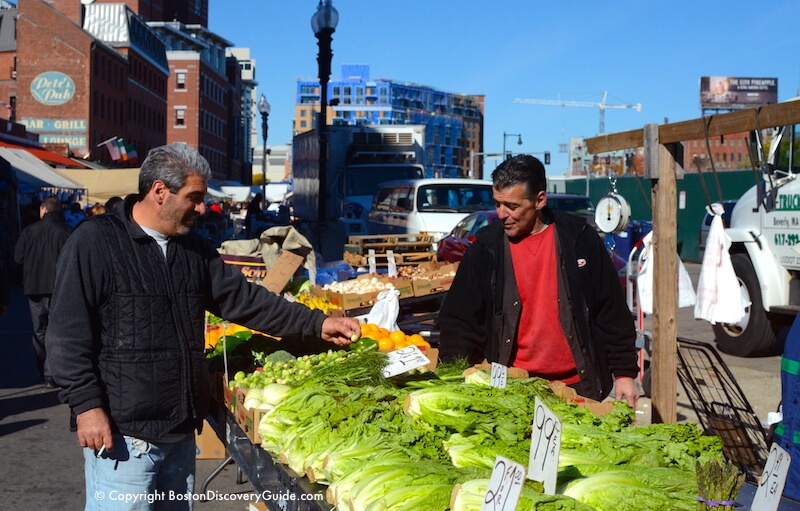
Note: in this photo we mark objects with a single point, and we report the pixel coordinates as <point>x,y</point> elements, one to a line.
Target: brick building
<point>83,74</point>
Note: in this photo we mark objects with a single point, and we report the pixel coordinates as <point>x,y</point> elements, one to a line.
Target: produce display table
<point>266,476</point>
<point>748,491</point>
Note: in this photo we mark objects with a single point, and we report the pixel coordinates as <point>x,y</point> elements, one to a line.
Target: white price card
<point>371,261</point>
<point>545,447</point>
<point>499,375</point>
<point>770,489</point>
<point>404,360</point>
<point>505,486</point>
<point>392,271</point>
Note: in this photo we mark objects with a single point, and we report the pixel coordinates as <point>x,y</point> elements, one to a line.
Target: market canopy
<point>34,172</point>
<point>102,184</point>
<point>45,155</point>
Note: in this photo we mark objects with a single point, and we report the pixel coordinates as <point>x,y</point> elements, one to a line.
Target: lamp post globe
<point>505,136</point>
<point>264,108</point>
<point>323,23</point>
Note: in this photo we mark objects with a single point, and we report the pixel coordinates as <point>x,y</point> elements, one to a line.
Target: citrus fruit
<point>397,336</point>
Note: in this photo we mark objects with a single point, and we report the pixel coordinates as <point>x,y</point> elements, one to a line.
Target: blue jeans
<point>141,476</point>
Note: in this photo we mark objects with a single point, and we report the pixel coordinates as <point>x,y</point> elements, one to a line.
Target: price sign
<point>371,261</point>
<point>770,489</point>
<point>392,272</point>
<point>505,486</point>
<point>499,375</point>
<point>403,360</point>
<point>545,447</point>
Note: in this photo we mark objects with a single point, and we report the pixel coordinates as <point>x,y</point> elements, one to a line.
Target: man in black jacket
<point>537,290</point>
<point>127,333</point>
<point>37,250</point>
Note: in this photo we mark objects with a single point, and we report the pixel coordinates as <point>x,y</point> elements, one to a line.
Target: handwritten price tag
<point>371,261</point>
<point>545,447</point>
<point>392,269</point>
<point>403,360</point>
<point>770,489</point>
<point>505,486</point>
<point>499,375</point>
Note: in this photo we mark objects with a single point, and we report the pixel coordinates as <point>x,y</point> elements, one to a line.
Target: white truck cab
<point>765,251</point>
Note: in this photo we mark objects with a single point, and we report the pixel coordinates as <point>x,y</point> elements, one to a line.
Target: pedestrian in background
<point>37,250</point>
<point>73,215</point>
<point>254,214</point>
<point>97,209</point>
<point>127,339</point>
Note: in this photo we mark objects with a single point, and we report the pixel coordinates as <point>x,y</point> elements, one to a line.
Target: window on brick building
<point>181,79</point>
<point>180,116</point>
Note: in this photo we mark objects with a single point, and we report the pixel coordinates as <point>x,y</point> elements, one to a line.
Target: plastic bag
<point>719,297</point>
<point>644,280</point>
<point>386,309</point>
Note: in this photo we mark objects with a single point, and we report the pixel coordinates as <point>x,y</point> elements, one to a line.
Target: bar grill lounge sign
<point>52,88</point>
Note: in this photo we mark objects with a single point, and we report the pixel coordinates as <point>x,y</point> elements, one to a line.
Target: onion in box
<point>253,399</point>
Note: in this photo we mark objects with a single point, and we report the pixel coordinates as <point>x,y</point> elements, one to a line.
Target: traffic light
<point>547,157</point>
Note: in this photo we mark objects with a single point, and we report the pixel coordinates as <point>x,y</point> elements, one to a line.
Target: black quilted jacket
<point>127,325</point>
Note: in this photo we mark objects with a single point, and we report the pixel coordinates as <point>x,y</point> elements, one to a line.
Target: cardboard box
<point>228,396</point>
<point>208,445</point>
<point>403,286</point>
<point>282,271</point>
<point>348,301</point>
<point>255,270</point>
<point>247,418</point>
<point>571,396</point>
<point>428,286</point>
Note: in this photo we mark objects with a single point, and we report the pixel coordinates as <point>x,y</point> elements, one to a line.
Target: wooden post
<point>664,365</point>
<point>661,145</point>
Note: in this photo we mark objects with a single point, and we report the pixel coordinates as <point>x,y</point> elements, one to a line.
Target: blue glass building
<point>453,122</point>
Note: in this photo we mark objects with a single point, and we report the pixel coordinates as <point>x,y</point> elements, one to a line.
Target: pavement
<point>42,463</point>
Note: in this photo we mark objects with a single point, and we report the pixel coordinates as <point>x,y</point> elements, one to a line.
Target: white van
<point>430,206</point>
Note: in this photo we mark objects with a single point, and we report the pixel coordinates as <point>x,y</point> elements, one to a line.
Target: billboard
<point>729,93</point>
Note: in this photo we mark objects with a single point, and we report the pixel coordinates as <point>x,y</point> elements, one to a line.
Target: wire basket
<point>721,407</point>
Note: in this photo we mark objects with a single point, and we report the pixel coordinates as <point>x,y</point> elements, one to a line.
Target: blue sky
<point>641,51</point>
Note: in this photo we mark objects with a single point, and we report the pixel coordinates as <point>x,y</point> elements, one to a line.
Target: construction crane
<point>601,105</point>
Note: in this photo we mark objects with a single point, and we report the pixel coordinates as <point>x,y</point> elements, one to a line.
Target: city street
<point>42,463</point>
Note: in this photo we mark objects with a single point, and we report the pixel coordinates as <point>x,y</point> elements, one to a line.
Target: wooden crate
<point>402,258</point>
<point>395,242</point>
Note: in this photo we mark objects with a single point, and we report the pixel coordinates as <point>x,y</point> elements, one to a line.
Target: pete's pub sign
<point>52,88</point>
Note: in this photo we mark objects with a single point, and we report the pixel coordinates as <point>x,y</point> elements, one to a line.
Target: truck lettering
<point>788,202</point>
<point>780,222</point>
<point>786,239</point>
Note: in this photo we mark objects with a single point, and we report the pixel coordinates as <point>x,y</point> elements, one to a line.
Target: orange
<point>397,336</point>
<point>400,344</point>
<point>385,344</point>
<point>384,332</point>
<point>418,340</point>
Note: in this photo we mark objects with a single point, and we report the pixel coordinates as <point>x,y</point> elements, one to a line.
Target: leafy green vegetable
<point>718,482</point>
<point>626,490</point>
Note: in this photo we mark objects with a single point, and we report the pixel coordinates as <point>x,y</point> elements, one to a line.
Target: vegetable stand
<point>266,476</point>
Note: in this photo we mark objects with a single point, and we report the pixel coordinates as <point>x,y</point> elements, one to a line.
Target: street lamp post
<point>324,22</point>
<point>505,136</point>
<point>263,107</point>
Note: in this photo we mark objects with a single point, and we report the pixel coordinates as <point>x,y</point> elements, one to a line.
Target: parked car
<point>430,206</point>
<point>452,247</point>
<point>728,205</point>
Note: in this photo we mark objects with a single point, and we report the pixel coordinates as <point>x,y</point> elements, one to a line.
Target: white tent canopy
<point>102,184</point>
<point>31,170</point>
